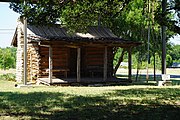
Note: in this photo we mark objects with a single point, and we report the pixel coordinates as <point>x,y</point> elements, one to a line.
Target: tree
<point>170,18</point>
<point>75,14</point>
<point>174,52</point>
<point>126,18</point>
<point>118,60</point>
<point>7,58</point>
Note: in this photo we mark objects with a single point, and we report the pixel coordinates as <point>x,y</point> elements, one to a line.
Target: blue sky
<point>8,22</point>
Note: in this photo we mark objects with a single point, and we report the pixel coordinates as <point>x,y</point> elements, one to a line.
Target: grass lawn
<point>136,102</point>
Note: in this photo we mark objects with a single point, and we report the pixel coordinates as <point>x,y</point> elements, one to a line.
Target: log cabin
<point>54,56</point>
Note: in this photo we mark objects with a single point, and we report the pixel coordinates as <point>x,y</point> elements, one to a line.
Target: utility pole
<point>148,44</point>
<point>164,3</point>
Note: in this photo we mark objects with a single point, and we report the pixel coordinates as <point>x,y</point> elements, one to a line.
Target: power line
<point>6,33</point>
<point>6,29</point>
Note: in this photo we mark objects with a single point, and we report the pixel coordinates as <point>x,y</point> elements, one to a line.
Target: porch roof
<point>94,34</point>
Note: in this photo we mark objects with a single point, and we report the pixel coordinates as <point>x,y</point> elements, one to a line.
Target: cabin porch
<point>84,81</point>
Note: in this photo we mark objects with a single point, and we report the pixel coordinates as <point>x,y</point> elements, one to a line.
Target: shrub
<point>8,77</point>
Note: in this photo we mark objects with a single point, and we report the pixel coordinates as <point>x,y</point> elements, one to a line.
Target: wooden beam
<point>43,45</point>
<point>78,64</point>
<point>25,51</point>
<point>105,64</point>
<point>129,64</point>
<point>71,46</point>
<point>50,64</point>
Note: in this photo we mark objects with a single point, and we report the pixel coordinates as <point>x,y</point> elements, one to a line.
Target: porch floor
<point>83,81</point>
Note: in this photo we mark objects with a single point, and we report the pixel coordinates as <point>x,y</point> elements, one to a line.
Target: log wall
<point>32,57</point>
<point>60,57</point>
<point>33,61</point>
<point>94,60</point>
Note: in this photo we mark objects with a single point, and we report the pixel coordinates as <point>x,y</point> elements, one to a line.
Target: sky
<point>8,23</point>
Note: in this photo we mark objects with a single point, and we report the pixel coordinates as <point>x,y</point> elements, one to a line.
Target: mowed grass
<point>136,102</point>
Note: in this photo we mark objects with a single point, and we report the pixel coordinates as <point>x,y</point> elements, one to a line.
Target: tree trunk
<point>119,61</point>
<point>138,66</point>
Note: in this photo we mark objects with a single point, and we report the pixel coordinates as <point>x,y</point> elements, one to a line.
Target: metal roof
<point>55,32</point>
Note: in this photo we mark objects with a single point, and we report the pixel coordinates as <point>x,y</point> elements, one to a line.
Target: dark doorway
<point>73,62</point>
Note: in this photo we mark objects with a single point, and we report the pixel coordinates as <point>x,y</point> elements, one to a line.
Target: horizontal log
<point>100,56</point>
<point>53,52</point>
<point>54,64</point>
<point>94,56</point>
<point>94,63</point>
<point>94,49</point>
<point>54,60</point>
<point>54,47</point>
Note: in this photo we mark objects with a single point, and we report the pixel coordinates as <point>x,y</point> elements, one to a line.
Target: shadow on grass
<point>118,104</point>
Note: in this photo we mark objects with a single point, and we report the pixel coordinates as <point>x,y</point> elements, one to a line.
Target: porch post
<point>78,64</point>
<point>50,64</point>
<point>25,51</point>
<point>129,64</point>
<point>105,64</point>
